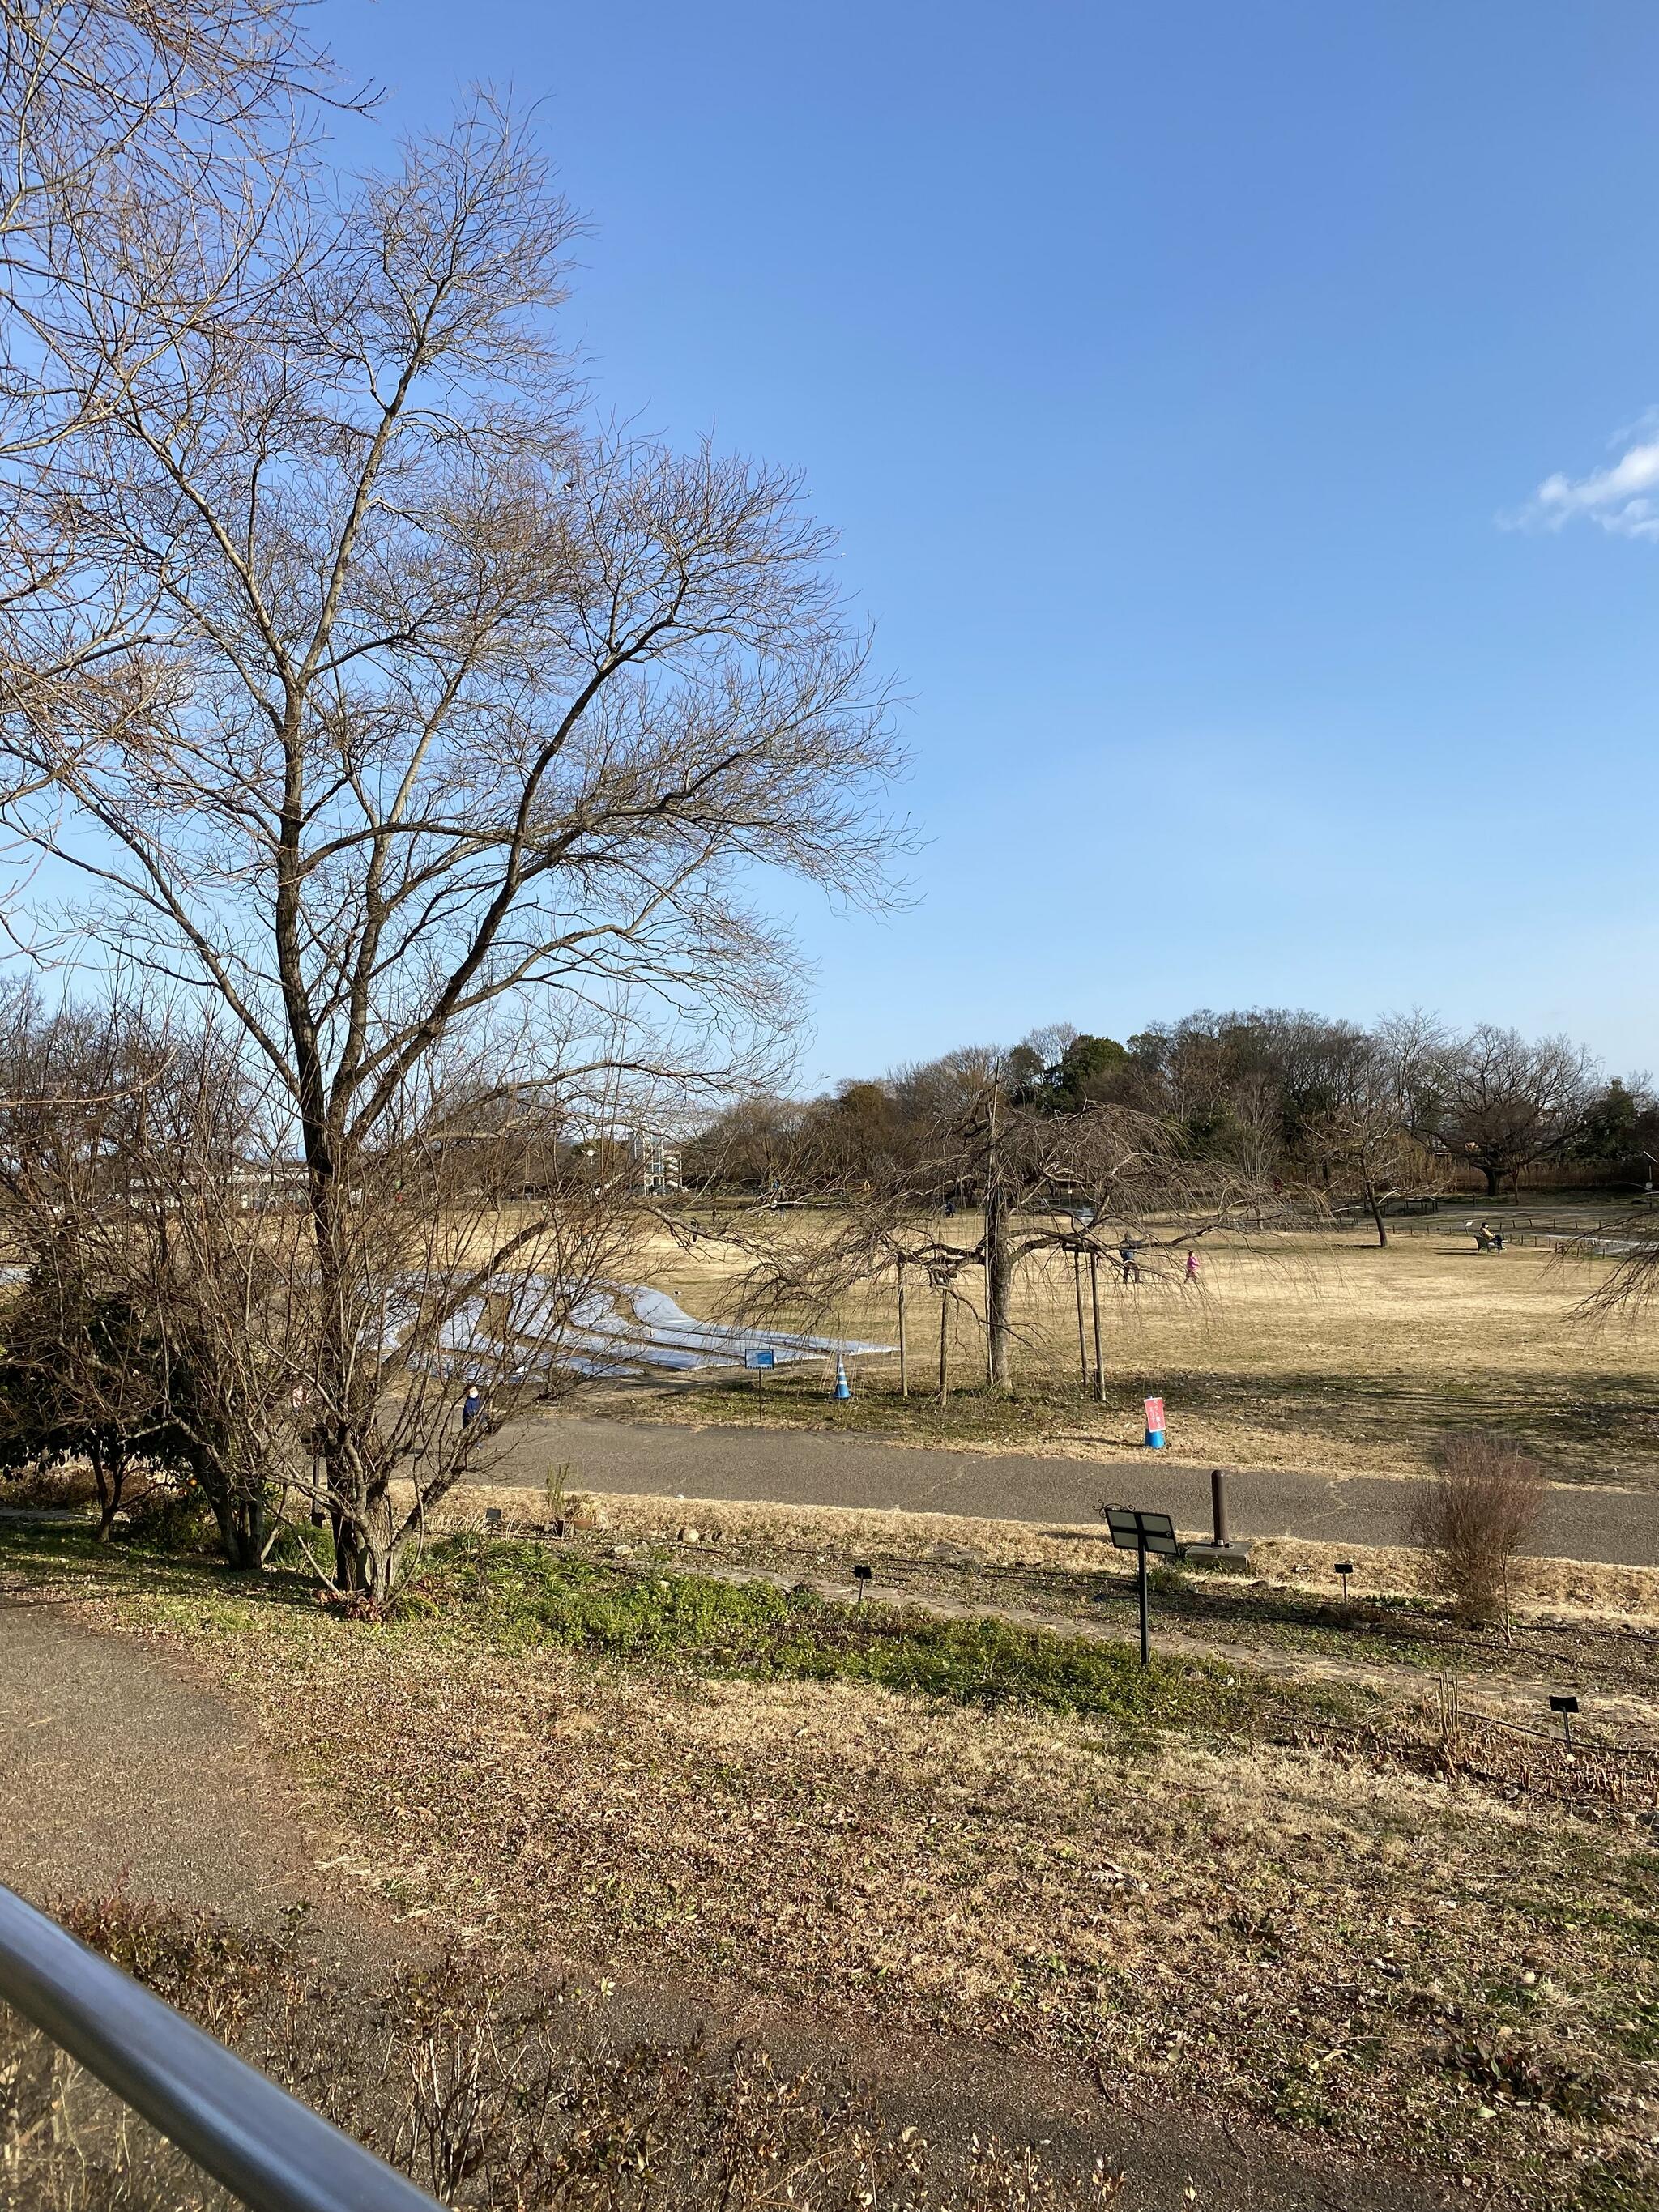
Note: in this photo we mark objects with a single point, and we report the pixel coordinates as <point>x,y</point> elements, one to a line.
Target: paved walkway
<point>118,1771</point>
<point>792,1467</point>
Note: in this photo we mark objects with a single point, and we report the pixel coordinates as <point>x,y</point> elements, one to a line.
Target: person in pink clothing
<point>1192,1266</point>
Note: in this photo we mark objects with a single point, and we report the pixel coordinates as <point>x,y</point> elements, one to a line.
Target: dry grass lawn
<point>1317,1352</point>
<point>1572,1588</point>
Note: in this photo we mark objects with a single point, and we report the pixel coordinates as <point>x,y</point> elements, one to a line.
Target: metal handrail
<point>268,2149</point>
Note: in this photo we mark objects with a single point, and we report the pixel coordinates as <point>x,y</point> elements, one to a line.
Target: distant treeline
<point>1292,1096</point>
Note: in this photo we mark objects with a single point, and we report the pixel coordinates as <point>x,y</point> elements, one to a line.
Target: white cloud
<point>1623,498</point>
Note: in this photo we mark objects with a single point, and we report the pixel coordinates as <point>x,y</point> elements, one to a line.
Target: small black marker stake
<point>1566,1707</point>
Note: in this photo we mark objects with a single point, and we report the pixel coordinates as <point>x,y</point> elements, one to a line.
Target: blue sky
<point>1182,378</point>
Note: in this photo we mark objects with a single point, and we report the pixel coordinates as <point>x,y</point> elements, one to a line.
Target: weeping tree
<point>409,718</point>
<point>977,1171</point>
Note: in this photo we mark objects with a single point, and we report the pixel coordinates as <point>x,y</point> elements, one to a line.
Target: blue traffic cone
<point>843,1389</point>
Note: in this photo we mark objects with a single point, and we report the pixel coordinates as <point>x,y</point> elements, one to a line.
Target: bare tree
<point>447,725</point>
<point>191,113</point>
<point>174,1312</point>
<point>754,1145</point>
<point>970,1178</point>
<point>99,93</point>
<point>477,1247</point>
<point>1363,1143</point>
<point>1508,1103</point>
<point>1417,1052</point>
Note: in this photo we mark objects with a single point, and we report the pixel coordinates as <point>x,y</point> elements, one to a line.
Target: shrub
<point>172,1518</point>
<point>1473,1516</point>
<point>57,1486</point>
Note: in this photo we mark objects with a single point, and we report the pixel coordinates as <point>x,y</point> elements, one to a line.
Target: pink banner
<point>1154,1412</point>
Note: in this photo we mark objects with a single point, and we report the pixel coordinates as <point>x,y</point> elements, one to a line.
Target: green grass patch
<point>527,1593</point>
<point>148,1586</point>
<point>513,1595</point>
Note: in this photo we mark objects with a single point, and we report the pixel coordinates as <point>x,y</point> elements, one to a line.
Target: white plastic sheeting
<point>512,1329</point>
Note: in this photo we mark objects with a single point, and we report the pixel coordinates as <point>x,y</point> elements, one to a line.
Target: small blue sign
<point>760,1355</point>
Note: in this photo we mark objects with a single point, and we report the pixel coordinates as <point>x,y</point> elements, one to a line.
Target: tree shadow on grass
<point>33,1559</point>
<point>1573,1422</point>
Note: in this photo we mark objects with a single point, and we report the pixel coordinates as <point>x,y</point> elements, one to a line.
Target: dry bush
<point>57,1487</point>
<point>1473,1516</point>
<point>1588,1588</point>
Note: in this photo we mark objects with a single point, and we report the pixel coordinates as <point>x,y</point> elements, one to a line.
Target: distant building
<point>658,1161</point>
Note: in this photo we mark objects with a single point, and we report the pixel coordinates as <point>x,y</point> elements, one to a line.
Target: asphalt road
<point>789,1467</point>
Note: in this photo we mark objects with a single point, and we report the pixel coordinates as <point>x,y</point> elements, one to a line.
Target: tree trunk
<point>352,1568</point>
<point>904,1367</point>
<point>999,1282</point>
<point>106,1482</point>
<point>944,1343</point>
<point>366,1557</point>
<point>1376,1206</point>
<point>1494,1178</point>
<point>240,1518</point>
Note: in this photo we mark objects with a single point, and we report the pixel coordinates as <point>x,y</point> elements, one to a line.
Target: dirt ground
<point>190,1796</point>
<point>1298,1968</point>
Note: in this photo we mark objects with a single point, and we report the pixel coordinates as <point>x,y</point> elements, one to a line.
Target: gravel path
<point>791,1466</point>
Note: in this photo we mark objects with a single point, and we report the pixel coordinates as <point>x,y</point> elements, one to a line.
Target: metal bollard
<point>1218,1505</point>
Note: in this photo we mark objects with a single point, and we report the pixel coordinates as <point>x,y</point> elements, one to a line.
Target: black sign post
<point>1141,1533</point>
